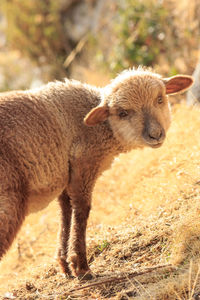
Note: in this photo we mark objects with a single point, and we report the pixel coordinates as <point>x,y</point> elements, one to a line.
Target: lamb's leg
<point>77,251</point>
<point>66,212</point>
<point>82,179</point>
<point>12,214</point>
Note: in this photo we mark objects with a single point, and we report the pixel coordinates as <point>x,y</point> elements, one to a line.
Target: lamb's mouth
<point>155,145</point>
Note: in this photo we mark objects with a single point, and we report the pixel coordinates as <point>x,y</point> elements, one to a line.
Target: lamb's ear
<point>177,84</point>
<point>96,115</point>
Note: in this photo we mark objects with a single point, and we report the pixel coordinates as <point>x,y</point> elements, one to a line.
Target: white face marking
<point>128,134</point>
<point>126,131</point>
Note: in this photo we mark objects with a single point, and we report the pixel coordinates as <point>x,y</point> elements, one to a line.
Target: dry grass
<point>145,213</point>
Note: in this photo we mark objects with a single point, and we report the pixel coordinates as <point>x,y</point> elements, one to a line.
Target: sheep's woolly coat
<point>42,133</point>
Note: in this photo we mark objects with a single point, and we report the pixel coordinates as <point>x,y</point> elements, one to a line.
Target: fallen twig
<point>123,278</point>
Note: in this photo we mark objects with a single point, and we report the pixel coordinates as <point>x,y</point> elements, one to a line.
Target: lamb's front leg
<point>77,251</point>
<point>80,190</point>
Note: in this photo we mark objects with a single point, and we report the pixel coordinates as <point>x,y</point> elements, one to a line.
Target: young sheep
<point>56,140</point>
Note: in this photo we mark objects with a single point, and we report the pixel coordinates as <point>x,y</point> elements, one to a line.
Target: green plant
<point>140,33</point>
<point>103,245</point>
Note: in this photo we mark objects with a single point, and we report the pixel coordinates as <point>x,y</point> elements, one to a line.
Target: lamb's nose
<point>156,134</point>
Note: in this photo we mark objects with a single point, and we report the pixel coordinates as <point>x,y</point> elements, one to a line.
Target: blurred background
<point>93,40</point>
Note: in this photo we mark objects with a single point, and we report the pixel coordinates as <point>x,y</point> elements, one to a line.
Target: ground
<point>145,213</point>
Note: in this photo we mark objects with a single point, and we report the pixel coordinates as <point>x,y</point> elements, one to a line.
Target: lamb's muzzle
<point>153,133</point>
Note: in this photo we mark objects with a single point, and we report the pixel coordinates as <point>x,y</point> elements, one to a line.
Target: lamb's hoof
<point>65,267</point>
<point>86,276</point>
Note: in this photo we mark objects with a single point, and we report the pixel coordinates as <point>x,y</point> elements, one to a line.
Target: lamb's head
<point>137,108</point>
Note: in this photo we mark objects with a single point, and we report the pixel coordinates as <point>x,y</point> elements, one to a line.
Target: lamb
<point>56,140</point>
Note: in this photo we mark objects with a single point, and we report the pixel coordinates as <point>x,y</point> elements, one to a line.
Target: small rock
<point>196,296</point>
<point>30,286</point>
<point>9,295</point>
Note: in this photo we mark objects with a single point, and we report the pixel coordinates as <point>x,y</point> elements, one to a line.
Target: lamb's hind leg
<point>12,213</point>
<point>66,212</point>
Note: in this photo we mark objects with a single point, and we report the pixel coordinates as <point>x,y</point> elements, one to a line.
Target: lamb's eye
<point>123,114</point>
<point>160,100</point>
